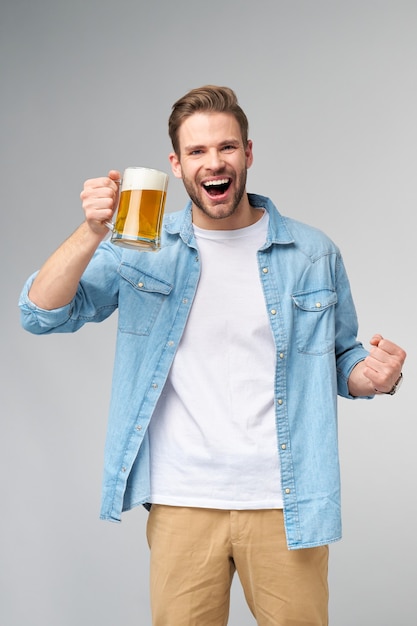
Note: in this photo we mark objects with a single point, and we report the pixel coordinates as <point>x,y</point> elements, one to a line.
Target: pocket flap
<point>315,300</point>
<point>143,281</point>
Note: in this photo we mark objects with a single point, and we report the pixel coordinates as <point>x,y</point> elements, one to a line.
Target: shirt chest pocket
<point>141,297</point>
<point>314,321</point>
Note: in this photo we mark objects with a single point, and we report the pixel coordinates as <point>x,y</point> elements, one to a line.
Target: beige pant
<point>195,552</point>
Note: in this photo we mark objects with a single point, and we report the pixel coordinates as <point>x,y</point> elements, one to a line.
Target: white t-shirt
<point>213,438</point>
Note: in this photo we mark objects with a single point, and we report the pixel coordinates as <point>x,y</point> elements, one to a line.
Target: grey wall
<point>330,89</point>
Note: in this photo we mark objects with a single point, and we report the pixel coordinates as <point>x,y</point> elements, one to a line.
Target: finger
<point>100,196</point>
<point>376,339</point>
<point>97,188</point>
<point>115,175</point>
<point>112,180</point>
<point>390,348</point>
<point>96,183</point>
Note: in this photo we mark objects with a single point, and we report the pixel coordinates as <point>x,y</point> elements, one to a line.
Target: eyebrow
<point>225,142</point>
<point>190,148</point>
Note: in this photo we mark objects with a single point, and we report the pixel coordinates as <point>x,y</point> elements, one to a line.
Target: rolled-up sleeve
<point>96,298</point>
<point>40,321</point>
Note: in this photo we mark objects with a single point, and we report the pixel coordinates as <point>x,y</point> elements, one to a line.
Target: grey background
<point>330,90</point>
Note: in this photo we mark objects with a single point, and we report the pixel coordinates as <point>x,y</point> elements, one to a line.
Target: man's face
<point>213,163</point>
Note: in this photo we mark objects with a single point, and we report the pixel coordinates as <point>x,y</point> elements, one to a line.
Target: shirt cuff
<point>38,320</point>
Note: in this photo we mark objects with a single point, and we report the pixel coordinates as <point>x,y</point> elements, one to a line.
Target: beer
<point>141,208</point>
<point>143,223</point>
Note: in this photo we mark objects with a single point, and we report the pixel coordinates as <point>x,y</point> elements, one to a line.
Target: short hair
<point>210,99</point>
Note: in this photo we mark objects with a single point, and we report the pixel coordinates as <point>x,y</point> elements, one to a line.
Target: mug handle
<point>110,225</point>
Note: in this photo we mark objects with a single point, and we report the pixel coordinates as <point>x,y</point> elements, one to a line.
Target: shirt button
<point>284,446</point>
<point>170,343</point>
<point>287,491</point>
<point>318,305</point>
<point>140,285</point>
<point>185,300</point>
<point>280,401</point>
<point>265,270</point>
<point>281,355</point>
<point>273,312</point>
<point>138,427</point>
<point>123,469</point>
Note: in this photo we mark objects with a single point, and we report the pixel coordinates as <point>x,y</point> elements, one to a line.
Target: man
<point>235,339</point>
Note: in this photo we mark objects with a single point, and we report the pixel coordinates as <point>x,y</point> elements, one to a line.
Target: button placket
<point>280,404</point>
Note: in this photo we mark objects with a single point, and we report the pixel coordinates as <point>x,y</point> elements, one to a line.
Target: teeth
<point>213,183</point>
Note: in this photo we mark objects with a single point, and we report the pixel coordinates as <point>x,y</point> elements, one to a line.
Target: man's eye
<point>196,152</point>
<point>229,148</point>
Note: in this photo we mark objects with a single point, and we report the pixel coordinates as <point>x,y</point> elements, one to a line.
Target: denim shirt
<point>314,324</point>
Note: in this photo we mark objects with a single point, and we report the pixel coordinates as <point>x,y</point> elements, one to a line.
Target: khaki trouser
<point>195,552</point>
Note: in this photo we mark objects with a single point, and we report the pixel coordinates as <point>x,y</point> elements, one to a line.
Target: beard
<point>209,206</point>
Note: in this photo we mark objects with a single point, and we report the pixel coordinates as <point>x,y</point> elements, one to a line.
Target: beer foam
<point>143,178</point>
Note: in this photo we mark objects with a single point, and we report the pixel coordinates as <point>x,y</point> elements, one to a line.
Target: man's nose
<point>214,160</point>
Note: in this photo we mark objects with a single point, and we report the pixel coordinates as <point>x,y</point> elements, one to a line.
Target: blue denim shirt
<point>314,325</point>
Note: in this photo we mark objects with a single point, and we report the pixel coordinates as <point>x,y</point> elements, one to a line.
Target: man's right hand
<point>100,198</point>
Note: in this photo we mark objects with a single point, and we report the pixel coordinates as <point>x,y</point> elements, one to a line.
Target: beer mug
<point>138,218</point>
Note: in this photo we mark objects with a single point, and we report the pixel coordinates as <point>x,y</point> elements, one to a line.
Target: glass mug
<point>138,218</point>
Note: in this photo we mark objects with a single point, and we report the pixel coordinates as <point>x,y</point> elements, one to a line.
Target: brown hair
<point>209,99</point>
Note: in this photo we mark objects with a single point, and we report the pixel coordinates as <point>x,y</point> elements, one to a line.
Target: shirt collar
<point>180,223</point>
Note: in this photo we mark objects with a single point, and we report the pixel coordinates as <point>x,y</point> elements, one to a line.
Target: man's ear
<point>175,165</point>
<point>249,153</point>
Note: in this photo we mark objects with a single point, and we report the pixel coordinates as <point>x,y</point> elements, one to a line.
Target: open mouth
<point>218,187</point>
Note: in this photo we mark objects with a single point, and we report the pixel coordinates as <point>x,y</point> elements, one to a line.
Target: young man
<point>235,339</point>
